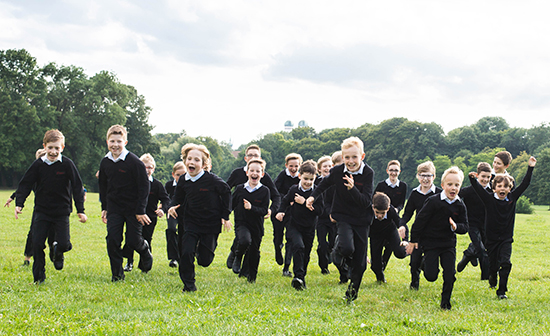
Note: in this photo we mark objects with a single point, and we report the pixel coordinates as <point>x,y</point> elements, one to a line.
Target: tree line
<point>34,99</point>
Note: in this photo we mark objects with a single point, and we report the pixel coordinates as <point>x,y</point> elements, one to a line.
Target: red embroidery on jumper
<point>203,189</point>
<point>122,171</point>
<point>60,173</point>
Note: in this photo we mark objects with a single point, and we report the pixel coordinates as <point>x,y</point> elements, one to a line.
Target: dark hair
<point>505,157</point>
<point>380,201</point>
<point>503,178</point>
<point>483,167</point>
<point>308,167</point>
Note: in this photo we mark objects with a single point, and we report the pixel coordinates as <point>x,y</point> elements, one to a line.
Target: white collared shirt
<point>302,189</point>
<point>122,155</point>
<point>245,168</point>
<point>289,174</point>
<point>151,178</point>
<point>175,183</point>
<point>419,189</point>
<point>48,162</point>
<point>358,171</point>
<point>194,178</point>
<point>250,189</point>
<point>445,198</point>
<point>496,196</point>
<point>388,182</point>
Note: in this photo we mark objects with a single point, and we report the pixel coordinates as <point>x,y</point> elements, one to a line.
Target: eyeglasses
<point>426,176</point>
<point>393,170</point>
<point>252,155</point>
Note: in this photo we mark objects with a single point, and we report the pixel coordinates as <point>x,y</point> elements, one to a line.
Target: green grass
<point>80,299</point>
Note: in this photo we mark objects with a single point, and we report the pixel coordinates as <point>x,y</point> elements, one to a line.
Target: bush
<point>524,205</point>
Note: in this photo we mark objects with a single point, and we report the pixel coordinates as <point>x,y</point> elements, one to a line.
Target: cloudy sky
<point>235,70</point>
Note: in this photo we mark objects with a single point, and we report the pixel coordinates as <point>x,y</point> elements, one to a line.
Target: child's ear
<point>363,156</point>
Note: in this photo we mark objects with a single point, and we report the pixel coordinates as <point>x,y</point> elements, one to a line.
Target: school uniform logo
<point>60,173</point>
<point>203,189</point>
<point>121,170</point>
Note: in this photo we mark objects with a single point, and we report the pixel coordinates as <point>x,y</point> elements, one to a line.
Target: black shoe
<point>492,281</point>
<point>351,293</point>
<point>462,264</point>
<point>39,281</point>
<point>381,279</point>
<point>26,262</point>
<point>230,260</point>
<point>445,305</point>
<point>251,280</point>
<point>474,262</point>
<point>116,278</point>
<point>129,267</point>
<point>279,255</point>
<point>287,273</point>
<point>58,258</point>
<point>414,285</point>
<point>189,289</point>
<point>237,265</point>
<point>502,296</point>
<point>325,271</point>
<point>298,284</point>
<point>173,263</point>
<point>146,259</point>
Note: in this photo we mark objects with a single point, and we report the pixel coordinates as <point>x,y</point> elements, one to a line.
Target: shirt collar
<point>122,155</point>
<point>358,171</point>
<point>388,182</point>
<point>48,162</point>
<point>250,189</point>
<point>304,190</point>
<point>432,189</point>
<point>496,196</point>
<point>175,183</point>
<point>194,178</point>
<point>151,178</point>
<point>245,168</point>
<point>445,198</point>
<point>289,174</point>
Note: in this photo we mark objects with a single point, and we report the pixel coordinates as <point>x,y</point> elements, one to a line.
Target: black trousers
<point>147,233</point>
<point>390,239</point>
<point>500,253</point>
<point>201,245</point>
<point>134,239</point>
<point>476,249</point>
<point>278,236</point>
<point>172,246</point>
<point>415,263</point>
<point>301,240</point>
<point>249,241</point>
<point>28,244</point>
<point>326,235</point>
<point>41,227</point>
<point>352,245</point>
<point>445,256</point>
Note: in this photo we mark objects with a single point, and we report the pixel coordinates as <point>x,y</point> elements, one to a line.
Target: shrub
<point>524,205</point>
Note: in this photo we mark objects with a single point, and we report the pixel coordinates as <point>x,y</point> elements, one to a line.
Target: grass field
<point>81,299</point>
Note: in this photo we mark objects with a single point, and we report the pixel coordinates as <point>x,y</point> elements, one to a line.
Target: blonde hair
<point>353,141</point>
<point>253,146</point>
<point>294,156</point>
<point>148,158</point>
<point>258,161</point>
<point>337,157</point>
<point>426,167</point>
<point>394,163</point>
<point>201,148</point>
<point>53,136</point>
<point>322,160</point>
<point>177,166</point>
<point>453,170</point>
<point>117,129</point>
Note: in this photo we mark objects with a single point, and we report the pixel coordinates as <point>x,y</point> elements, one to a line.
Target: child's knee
<point>431,276</point>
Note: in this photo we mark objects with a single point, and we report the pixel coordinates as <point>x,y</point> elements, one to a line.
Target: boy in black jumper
<point>239,176</point>
<point>476,218</point>
<point>286,179</point>
<point>351,208</point>
<point>425,172</point>
<point>500,215</point>
<point>205,199</point>
<point>326,229</point>
<point>383,233</point>
<point>123,191</point>
<point>156,193</point>
<point>250,202</point>
<point>435,229</point>
<point>55,180</point>
<point>300,231</point>
<point>172,234</point>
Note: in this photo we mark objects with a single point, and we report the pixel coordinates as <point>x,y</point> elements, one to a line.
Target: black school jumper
<point>249,227</point>
<point>238,176</point>
<point>283,182</point>
<point>352,210</point>
<point>383,233</point>
<point>476,231</point>
<point>205,203</point>
<point>55,185</point>
<point>326,231</point>
<point>414,205</point>
<point>500,218</point>
<point>300,231</point>
<point>432,231</point>
<point>123,190</point>
<point>157,194</point>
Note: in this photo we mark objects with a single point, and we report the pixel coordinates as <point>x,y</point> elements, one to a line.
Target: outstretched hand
<point>532,161</point>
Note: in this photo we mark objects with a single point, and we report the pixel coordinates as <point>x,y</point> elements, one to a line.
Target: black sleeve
<point>225,196</point>
<point>78,188</point>
<point>143,187</point>
<point>275,196</point>
<point>422,218</point>
<point>516,193</point>
<point>25,185</point>
<point>163,197</point>
<point>462,224</point>
<point>102,181</point>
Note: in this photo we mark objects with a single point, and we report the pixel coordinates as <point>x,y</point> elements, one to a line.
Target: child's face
<point>149,168</point>
<point>254,173</point>
<point>451,185</point>
<point>325,167</point>
<point>292,166</point>
<point>426,179</point>
<point>501,190</point>
<point>380,214</point>
<point>393,172</point>
<point>116,144</point>
<point>177,174</point>
<point>498,166</point>
<point>53,149</point>
<point>307,180</point>
<point>194,162</point>
<point>252,153</point>
<point>353,156</point>
<point>484,178</point>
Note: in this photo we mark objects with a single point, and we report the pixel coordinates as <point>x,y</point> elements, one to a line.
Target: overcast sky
<point>235,70</point>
